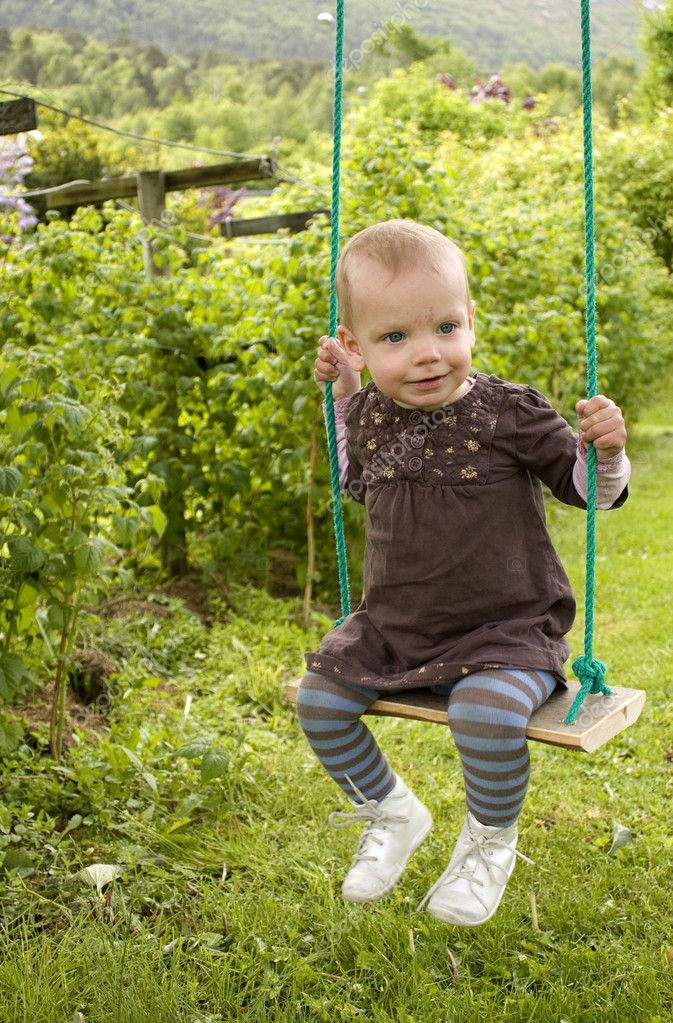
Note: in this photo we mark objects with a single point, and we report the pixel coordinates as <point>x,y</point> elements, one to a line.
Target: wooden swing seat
<point>599,720</point>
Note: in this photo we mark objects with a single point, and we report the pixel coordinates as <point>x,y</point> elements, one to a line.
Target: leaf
<point>210,939</point>
<point>215,764</point>
<point>194,748</point>
<point>622,836</point>
<point>98,875</point>
<point>158,518</point>
<point>11,734</point>
<point>55,617</point>
<point>75,417</point>
<point>135,760</point>
<point>18,859</point>
<point>24,556</point>
<point>13,672</point>
<point>237,645</point>
<point>10,480</point>
<point>72,472</point>
<point>73,823</point>
<point>191,802</point>
<point>151,781</point>
<point>89,555</point>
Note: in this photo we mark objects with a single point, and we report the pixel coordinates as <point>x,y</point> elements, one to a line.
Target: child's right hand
<point>332,364</point>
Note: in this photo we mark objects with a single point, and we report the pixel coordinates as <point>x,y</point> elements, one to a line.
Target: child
<point>464,592</point>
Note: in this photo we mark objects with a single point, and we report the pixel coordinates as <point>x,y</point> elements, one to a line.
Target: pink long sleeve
<point>339,409</point>
<point>611,477</point>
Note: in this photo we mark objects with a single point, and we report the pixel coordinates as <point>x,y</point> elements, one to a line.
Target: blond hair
<point>397,245</point>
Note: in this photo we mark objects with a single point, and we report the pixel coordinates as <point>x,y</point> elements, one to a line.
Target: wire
<point>287,176</point>
<point>131,134</point>
<point>190,234</point>
<point>54,188</point>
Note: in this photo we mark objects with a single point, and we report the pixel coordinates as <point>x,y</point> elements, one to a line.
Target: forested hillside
<point>536,31</point>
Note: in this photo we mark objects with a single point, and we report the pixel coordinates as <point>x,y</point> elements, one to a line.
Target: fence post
<point>152,206</point>
<point>173,543</point>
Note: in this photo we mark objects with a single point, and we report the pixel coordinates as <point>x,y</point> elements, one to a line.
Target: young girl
<point>464,592</point>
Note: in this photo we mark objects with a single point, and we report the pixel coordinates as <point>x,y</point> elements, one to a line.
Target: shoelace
<point>369,811</point>
<point>478,847</point>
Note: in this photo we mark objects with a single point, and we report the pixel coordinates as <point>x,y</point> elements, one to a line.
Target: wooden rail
<point>88,193</point>
<point>268,225</point>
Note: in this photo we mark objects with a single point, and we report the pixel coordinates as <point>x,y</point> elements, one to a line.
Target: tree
<point>25,66</point>
<point>657,42</point>
<point>401,42</point>
<point>615,79</point>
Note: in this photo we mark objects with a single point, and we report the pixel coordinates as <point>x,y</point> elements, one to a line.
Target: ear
<point>472,308</point>
<point>349,343</point>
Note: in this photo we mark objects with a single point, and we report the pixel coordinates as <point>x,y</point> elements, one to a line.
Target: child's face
<point>414,333</point>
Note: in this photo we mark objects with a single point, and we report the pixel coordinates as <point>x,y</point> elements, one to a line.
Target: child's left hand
<point>602,423</point>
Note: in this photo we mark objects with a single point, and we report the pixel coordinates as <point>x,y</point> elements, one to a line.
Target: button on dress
<point>460,573</point>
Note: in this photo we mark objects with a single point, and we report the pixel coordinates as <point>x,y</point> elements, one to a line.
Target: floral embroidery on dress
<point>454,447</point>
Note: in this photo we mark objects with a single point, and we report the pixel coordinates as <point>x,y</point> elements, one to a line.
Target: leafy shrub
<point>65,508</point>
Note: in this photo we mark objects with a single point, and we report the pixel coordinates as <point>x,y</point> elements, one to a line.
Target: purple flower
<point>15,164</point>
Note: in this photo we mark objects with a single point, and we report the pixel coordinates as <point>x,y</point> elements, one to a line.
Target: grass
<point>229,904</point>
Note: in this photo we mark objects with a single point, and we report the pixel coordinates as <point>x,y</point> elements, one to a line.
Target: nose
<point>426,350</point>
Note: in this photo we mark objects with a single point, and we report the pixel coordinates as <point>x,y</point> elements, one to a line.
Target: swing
<point>605,712</point>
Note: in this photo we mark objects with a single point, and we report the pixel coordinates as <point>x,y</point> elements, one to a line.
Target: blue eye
<point>394,336</point>
<point>447,328</point>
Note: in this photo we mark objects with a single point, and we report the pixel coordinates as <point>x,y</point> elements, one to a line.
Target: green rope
<point>333,318</point>
<point>590,672</point>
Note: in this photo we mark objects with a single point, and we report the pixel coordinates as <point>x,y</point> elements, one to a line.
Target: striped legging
<point>488,712</point>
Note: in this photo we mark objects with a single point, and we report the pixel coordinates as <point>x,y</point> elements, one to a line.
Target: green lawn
<point>228,907</point>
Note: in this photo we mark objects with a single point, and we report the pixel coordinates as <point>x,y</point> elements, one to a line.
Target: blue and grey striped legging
<point>488,712</point>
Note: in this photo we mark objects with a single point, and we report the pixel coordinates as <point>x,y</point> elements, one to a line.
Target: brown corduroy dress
<point>460,573</point>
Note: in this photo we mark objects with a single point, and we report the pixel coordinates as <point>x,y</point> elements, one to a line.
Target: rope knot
<point>591,674</point>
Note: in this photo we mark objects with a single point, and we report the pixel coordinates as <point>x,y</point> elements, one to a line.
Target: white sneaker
<point>396,826</point>
<point>470,889</point>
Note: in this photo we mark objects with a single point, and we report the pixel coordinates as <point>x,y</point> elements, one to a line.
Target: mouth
<point>428,382</point>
